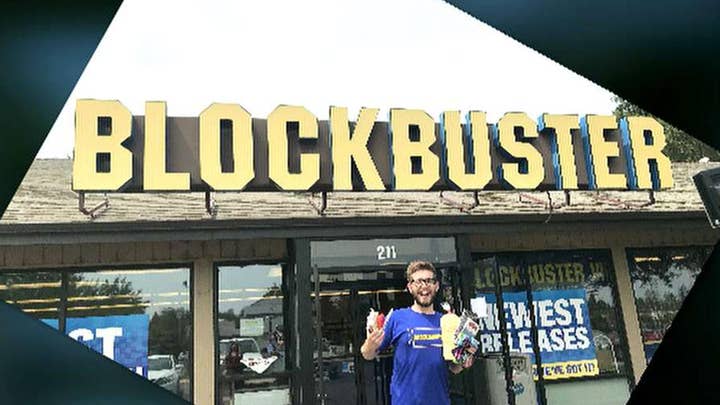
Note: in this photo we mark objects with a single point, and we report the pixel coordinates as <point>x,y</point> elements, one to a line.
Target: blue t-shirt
<point>420,375</point>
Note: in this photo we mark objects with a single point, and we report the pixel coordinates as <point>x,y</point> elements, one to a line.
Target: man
<point>420,374</point>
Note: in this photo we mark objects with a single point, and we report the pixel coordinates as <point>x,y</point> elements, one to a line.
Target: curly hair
<point>418,265</point>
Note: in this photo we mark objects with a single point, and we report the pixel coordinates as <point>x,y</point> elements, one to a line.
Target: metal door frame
<point>352,287</point>
<point>303,384</point>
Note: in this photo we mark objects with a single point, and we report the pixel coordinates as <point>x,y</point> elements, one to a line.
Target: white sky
<point>387,54</point>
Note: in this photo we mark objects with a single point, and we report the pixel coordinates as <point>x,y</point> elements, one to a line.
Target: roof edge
<point>348,227</point>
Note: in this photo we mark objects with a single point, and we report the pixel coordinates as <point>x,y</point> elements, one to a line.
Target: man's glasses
<point>423,281</point>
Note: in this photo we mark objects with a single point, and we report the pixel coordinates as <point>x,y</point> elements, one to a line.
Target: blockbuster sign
<point>226,149</point>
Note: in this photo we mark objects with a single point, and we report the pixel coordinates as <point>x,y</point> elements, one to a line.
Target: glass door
<point>335,343</point>
<point>375,375</point>
<point>347,278</point>
<point>340,310</point>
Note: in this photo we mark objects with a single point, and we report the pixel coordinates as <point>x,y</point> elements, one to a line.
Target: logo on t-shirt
<point>424,337</point>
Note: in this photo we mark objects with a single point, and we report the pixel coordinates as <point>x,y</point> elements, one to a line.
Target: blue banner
<point>565,337</point>
<point>122,338</point>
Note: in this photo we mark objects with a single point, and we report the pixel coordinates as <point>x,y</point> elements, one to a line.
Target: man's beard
<point>429,303</point>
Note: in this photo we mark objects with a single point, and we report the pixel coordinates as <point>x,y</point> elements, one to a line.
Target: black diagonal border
<point>44,47</point>
<point>661,55</point>
<point>665,57</point>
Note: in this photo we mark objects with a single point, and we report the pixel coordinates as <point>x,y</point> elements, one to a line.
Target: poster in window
<point>565,339</point>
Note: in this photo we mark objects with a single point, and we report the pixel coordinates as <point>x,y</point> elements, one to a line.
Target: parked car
<point>164,371</point>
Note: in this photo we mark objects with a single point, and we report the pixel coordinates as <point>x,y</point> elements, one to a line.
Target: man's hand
<point>457,368</point>
<point>469,362</point>
<point>372,343</point>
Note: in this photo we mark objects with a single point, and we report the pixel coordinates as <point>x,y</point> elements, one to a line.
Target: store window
<point>139,318</point>
<point>144,313</point>
<point>36,293</point>
<point>251,309</point>
<point>580,338</point>
<point>662,278</point>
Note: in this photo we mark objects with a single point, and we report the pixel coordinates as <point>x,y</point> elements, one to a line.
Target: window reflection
<point>36,293</point>
<point>251,335</point>
<point>139,318</point>
<point>661,280</point>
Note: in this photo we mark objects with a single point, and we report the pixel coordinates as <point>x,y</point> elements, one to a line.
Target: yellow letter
<point>599,152</point>
<point>404,149</point>
<point>345,148</point>
<point>506,136</point>
<point>154,175</point>
<point>566,173</point>
<point>89,143</point>
<point>278,144</point>
<point>642,153</point>
<point>480,144</point>
<point>242,141</point>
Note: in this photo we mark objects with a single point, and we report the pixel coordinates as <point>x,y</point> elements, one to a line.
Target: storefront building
<point>589,281</point>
